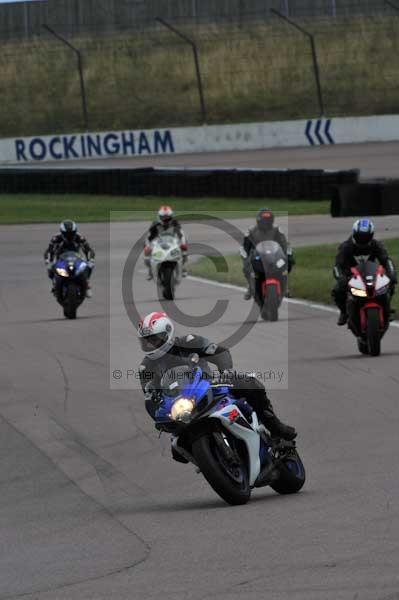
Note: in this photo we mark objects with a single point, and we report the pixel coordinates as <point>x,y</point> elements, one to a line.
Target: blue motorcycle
<point>222,437</point>
<point>71,273</point>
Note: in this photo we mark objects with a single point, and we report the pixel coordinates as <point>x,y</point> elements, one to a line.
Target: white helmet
<point>156,332</point>
<point>165,214</point>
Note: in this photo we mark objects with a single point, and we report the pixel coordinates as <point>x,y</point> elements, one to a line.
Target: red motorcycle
<point>368,305</point>
<point>270,278</point>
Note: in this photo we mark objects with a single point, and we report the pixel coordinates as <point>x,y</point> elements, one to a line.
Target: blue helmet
<point>362,232</point>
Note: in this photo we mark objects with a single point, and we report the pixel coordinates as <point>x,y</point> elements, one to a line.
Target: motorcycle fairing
<point>241,429</point>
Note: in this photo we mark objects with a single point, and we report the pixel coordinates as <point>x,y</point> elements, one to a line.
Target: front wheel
<point>291,475</point>
<point>362,346</point>
<point>228,479</point>
<point>373,332</point>
<point>71,302</point>
<point>167,282</point>
<point>270,304</point>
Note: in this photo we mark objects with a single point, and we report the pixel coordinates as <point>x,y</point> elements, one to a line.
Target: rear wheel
<point>71,302</point>
<point>292,475</point>
<point>373,332</point>
<point>228,478</point>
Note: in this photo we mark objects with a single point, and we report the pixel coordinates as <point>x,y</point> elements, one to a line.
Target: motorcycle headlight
<point>62,272</point>
<point>359,293</point>
<point>175,252</point>
<point>182,409</point>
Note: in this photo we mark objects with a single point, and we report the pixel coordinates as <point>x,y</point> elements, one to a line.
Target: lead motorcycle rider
<point>166,222</point>
<point>68,240</point>
<point>163,352</point>
<point>264,231</point>
<point>361,243</point>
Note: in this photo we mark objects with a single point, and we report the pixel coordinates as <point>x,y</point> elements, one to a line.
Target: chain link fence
<point>261,70</point>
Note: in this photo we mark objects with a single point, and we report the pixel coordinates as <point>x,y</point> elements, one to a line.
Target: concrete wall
<point>215,138</point>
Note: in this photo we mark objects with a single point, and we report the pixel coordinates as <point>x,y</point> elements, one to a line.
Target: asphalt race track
<point>93,507</point>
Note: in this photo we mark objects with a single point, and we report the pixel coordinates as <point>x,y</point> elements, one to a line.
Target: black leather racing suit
<point>346,257</point>
<point>58,245</point>
<point>157,228</point>
<point>257,235</point>
<point>249,388</point>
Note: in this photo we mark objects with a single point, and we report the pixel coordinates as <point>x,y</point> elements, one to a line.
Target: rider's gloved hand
<point>150,394</point>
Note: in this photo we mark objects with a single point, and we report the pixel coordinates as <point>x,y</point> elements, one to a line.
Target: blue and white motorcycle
<point>222,437</point>
<point>71,273</point>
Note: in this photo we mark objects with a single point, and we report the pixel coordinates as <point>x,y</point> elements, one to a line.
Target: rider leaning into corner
<point>163,351</point>
<point>264,231</point>
<point>68,240</point>
<point>166,221</point>
<point>360,244</point>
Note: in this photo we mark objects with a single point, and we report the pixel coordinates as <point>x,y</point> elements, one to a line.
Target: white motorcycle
<point>166,264</point>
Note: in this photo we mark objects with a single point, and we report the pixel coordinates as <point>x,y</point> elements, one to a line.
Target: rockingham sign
<point>93,145</point>
<point>194,140</point>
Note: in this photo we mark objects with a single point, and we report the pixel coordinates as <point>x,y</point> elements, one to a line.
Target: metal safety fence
<point>279,69</point>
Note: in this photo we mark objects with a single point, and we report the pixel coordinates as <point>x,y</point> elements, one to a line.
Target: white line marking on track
<point>296,301</point>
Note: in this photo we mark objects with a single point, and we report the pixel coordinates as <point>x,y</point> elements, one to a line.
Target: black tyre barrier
<point>232,183</point>
<point>380,197</point>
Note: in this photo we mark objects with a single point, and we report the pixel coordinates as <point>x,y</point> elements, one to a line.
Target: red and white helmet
<point>165,214</point>
<point>156,333</point>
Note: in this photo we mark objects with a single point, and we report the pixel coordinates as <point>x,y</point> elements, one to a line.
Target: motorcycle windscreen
<point>367,268</point>
<point>184,381</point>
<point>175,380</point>
<point>268,255</point>
<point>167,240</point>
<point>70,256</point>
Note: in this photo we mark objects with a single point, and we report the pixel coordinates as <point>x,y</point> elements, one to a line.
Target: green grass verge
<point>53,208</point>
<point>311,278</point>
<point>259,72</point>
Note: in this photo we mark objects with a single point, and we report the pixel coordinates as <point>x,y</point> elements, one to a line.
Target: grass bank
<point>26,208</point>
<point>259,71</point>
<point>311,279</point>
